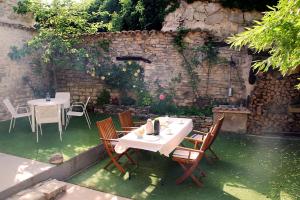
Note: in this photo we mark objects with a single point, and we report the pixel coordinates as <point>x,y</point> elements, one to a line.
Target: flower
<point>162,97</point>
<point>124,69</point>
<point>134,86</point>
<point>108,73</point>
<point>138,71</point>
<point>129,62</point>
<point>136,74</point>
<point>102,77</point>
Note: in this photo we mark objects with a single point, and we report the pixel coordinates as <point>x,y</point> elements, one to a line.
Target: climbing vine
<point>194,57</point>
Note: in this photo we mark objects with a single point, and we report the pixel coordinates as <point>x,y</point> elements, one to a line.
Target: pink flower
<point>162,97</point>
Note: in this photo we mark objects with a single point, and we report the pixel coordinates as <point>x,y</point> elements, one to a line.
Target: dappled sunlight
<point>250,168</point>
<point>242,192</point>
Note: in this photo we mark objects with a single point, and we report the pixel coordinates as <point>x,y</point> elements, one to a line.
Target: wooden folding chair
<point>197,138</point>
<point>127,123</point>
<point>189,160</point>
<point>109,137</point>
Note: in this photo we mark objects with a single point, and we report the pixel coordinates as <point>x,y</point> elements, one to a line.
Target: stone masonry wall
<point>166,63</point>
<point>14,31</point>
<point>209,16</point>
<point>269,104</point>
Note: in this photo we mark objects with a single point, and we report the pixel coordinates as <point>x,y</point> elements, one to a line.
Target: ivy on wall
<point>194,57</point>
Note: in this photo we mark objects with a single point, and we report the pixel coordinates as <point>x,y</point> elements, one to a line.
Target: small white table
<point>171,135</point>
<point>43,102</point>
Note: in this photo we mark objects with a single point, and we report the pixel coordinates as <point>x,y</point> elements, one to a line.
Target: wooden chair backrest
<point>126,120</point>
<point>106,130</point>
<point>216,129</point>
<point>206,142</point>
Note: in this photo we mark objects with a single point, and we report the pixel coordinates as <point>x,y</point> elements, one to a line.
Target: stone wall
<point>209,16</point>
<point>14,32</point>
<point>7,15</point>
<point>166,63</point>
<point>269,104</point>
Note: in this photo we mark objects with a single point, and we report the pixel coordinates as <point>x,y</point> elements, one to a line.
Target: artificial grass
<point>76,139</point>
<point>250,168</point>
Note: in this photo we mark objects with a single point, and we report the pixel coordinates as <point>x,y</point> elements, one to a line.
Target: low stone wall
<point>201,123</point>
<point>269,104</point>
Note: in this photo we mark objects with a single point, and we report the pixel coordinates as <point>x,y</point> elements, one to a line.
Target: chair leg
<point>37,133</point>
<point>116,163</point>
<point>87,120</point>
<point>14,122</point>
<point>67,121</point>
<point>10,125</point>
<point>188,173</point>
<point>41,129</point>
<point>214,154</point>
<point>208,159</point>
<point>29,121</point>
<point>130,159</point>
<point>60,131</point>
<point>88,117</point>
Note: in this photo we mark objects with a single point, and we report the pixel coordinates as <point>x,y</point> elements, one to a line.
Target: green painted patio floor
<point>76,139</point>
<point>250,168</point>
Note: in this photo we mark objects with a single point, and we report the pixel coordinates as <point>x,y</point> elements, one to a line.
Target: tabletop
<point>173,131</point>
<point>43,102</point>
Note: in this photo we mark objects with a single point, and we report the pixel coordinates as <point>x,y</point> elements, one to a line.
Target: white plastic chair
<point>64,95</point>
<point>72,112</point>
<point>47,115</point>
<point>14,113</point>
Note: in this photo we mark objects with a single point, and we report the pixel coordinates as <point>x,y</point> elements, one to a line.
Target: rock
<point>236,16</point>
<point>56,159</point>
<point>52,188</point>
<point>216,18</point>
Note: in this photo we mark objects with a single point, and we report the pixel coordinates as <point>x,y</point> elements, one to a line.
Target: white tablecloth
<point>171,135</point>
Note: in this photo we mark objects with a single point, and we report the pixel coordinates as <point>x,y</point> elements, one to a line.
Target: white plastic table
<point>173,131</point>
<point>43,102</point>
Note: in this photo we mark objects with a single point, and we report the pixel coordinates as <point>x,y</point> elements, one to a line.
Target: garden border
<point>60,172</point>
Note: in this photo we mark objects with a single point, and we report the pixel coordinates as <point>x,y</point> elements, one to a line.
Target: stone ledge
<point>18,26</point>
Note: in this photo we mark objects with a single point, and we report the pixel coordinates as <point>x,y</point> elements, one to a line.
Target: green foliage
<point>60,26</point>
<point>179,39</point>
<point>117,15</point>
<point>144,98</point>
<point>104,97</point>
<point>278,34</point>
<point>128,76</point>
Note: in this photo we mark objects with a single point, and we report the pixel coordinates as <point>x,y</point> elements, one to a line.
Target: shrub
<point>104,97</point>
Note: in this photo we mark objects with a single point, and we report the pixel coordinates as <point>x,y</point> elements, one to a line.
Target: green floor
<point>22,142</point>
<point>250,168</point>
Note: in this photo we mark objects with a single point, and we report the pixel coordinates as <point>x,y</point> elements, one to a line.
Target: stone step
<point>43,191</point>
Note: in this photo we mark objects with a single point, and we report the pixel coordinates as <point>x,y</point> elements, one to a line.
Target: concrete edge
<point>60,172</point>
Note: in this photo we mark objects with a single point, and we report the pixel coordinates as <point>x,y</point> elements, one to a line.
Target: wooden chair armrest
<point>193,139</point>
<point>200,132</point>
<point>188,149</point>
<point>110,140</point>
